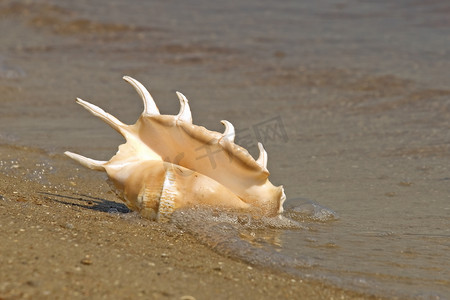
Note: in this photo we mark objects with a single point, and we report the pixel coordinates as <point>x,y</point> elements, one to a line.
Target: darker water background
<point>350,98</point>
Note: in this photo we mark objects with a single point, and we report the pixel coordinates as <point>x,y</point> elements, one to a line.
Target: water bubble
<point>303,209</point>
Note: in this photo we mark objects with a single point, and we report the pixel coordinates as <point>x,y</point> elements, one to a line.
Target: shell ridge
<point>206,136</point>
<point>210,137</point>
<point>168,195</point>
<point>244,158</point>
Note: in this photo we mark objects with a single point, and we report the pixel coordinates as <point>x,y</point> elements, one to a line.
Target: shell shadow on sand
<point>88,202</point>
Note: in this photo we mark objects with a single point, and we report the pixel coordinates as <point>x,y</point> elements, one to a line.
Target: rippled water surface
<point>350,98</point>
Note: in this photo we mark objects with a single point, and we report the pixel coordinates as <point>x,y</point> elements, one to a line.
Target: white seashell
<point>160,169</point>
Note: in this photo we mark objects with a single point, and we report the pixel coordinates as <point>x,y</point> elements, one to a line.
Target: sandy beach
<point>59,244</point>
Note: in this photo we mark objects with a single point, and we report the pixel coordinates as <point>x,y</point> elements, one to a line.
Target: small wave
<point>223,232</point>
<point>240,220</point>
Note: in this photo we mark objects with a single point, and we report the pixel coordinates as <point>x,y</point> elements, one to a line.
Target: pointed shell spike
<point>100,113</point>
<point>185,110</point>
<point>150,107</point>
<point>87,162</point>
<point>229,132</point>
<point>262,159</point>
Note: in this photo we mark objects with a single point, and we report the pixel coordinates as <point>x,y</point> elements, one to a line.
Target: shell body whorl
<point>161,168</point>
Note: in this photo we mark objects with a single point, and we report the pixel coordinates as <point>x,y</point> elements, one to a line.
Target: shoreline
<point>55,246</point>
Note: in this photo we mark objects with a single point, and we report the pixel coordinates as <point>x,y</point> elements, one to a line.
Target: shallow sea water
<point>351,100</point>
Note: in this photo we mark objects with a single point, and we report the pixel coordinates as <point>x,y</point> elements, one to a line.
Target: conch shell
<point>159,170</point>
